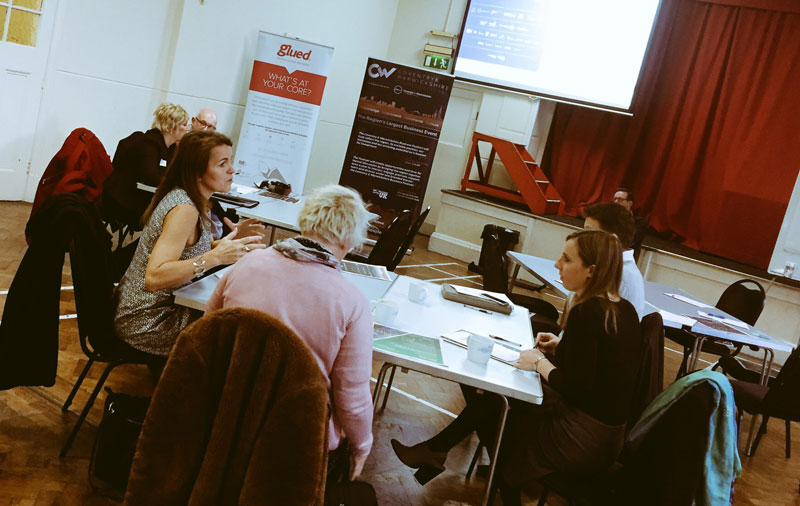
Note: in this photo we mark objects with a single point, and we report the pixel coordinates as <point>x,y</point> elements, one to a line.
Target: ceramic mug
<point>417,292</point>
<point>479,348</point>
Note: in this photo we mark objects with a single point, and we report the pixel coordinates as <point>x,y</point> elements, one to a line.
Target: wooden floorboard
<point>33,428</point>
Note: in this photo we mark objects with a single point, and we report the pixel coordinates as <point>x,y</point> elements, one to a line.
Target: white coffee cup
<point>384,311</point>
<point>417,292</point>
<point>479,348</point>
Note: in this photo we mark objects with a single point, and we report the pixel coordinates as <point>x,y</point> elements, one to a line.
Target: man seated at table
<point>297,281</point>
<point>618,220</point>
<point>205,119</point>
<point>624,197</point>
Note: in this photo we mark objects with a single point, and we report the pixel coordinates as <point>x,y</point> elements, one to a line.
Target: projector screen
<point>587,52</point>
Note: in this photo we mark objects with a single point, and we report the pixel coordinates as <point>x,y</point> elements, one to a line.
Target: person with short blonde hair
<point>297,281</point>
<point>170,119</point>
<point>336,214</point>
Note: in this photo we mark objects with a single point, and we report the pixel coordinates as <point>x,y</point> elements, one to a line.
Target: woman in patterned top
<point>176,244</point>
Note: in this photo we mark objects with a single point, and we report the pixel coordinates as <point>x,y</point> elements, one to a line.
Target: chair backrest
<point>240,416</point>
<point>412,232</point>
<point>784,390</point>
<point>743,299</point>
<point>650,380</point>
<point>389,242</point>
<point>90,262</point>
<point>494,267</point>
<point>666,468</point>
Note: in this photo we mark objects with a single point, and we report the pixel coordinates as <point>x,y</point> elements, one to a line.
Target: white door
<point>452,151</point>
<point>25,31</point>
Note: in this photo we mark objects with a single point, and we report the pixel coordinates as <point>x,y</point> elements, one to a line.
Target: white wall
<point>113,62</point>
<point>107,72</point>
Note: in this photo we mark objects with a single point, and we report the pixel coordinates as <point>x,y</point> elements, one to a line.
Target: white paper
<point>723,319</point>
<point>474,292</point>
<point>243,190</point>
<point>682,320</point>
<point>687,300</point>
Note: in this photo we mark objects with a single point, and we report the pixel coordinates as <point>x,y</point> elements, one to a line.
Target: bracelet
<point>536,364</point>
<point>199,265</point>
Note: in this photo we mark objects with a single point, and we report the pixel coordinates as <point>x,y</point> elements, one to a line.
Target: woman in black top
<point>141,157</point>
<point>590,374</point>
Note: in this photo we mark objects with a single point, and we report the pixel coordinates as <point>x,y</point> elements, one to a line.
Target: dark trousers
<point>481,415</point>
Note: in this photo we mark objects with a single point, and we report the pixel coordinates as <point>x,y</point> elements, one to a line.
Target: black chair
<point>665,469</point>
<point>91,277</point>
<point>389,242</point>
<point>650,379</point>
<point>777,399</point>
<point>743,299</point>
<point>544,316</point>
<point>412,232</point>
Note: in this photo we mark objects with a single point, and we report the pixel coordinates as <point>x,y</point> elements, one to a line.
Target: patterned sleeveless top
<point>150,321</point>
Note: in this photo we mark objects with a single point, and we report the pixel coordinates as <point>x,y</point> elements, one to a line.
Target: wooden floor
<point>32,427</point>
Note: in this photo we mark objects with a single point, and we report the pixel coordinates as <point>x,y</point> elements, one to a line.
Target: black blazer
<point>142,157</point>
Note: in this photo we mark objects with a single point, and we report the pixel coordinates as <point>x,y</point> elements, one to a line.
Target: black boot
<point>429,464</point>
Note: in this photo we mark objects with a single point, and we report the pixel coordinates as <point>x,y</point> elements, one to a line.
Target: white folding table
<point>543,269</point>
<point>434,317</point>
<point>663,297</point>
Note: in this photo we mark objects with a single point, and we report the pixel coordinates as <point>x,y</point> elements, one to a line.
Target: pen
<point>496,299</point>
<point>479,309</point>
<point>504,340</point>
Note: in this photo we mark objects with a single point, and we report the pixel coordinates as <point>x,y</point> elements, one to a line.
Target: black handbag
<point>351,493</point>
<point>115,443</point>
<point>340,491</point>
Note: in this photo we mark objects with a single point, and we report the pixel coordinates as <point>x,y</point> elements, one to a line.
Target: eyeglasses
<point>206,126</point>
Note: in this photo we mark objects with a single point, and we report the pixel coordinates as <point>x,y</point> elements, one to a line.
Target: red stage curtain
<point>713,148</point>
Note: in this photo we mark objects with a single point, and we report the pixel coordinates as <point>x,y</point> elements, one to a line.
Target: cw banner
<point>282,108</point>
<point>394,136</point>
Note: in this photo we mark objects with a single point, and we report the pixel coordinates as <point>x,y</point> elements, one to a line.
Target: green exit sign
<point>436,62</point>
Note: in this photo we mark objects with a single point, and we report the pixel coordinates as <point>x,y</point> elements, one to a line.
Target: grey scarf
<point>304,249</point>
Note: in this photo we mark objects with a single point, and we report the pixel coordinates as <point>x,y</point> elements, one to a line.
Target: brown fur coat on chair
<point>239,417</point>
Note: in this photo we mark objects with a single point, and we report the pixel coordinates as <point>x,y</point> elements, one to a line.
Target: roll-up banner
<point>394,136</point>
<point>280,117</point>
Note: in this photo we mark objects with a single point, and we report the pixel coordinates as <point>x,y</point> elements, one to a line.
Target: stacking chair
<point>778,399</point>
<point>389,242</point>
<point>93,287</point>
<point>409,239</point>
<point>665,469</point>
<point>650,379</point>
<point>743,299</point>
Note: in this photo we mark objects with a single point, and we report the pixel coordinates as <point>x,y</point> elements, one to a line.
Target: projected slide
<point>583,51</point>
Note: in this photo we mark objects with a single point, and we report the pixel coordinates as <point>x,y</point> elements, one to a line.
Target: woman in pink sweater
<point>297,281</point>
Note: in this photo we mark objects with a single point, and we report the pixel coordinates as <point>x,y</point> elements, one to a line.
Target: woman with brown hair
<point>590,372</point>
<point>176,244</point>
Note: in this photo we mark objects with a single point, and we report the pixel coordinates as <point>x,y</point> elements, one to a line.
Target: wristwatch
<point>199,265</point>
<point>536,363</point>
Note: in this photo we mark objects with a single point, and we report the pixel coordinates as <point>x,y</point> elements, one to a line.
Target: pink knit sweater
<point>329,314</point>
